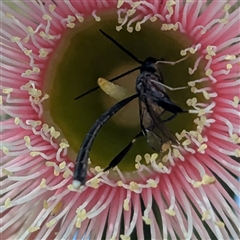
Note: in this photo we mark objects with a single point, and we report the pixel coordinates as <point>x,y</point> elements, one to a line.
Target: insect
<point>153,103</point>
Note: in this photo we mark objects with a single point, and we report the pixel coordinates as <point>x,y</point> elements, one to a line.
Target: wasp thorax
<point>149,65</point>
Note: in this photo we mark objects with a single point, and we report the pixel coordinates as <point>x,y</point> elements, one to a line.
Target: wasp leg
<point>170,118</point>
<point>171,63</point>
<point>168,87</point>
<point>121,155</point>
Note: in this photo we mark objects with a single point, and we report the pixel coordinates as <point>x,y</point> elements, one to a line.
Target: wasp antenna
<point>112,80</point>
<point>121,47</point>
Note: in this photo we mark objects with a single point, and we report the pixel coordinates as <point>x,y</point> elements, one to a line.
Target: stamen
<point>169,5</point>
<point>120,3</point>
<point>97,18</point>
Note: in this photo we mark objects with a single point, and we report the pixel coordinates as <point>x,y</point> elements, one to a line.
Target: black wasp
<point>153,102</point>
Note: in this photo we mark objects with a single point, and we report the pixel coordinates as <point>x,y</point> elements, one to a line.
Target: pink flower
<point>188,193</point>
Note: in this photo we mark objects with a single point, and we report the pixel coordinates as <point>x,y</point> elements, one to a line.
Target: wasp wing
<point>156,132</point>
<point>153,102</point>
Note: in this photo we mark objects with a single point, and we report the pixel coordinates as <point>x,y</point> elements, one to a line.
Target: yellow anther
<point>27,140</point>
<point>146,220</point>
<point>78,223</point>
<point>194,89</point>
<point>1,100</point>
<point>229,66</point>
<point>81,214</point>
<point>166,146</point>
<point>153,157</point>
<point>196,184</point>
<point>120,3</point>
<point>135,4</point>
<point>138,26</point>
<point>176,153</point>
<point>192,50</point>
<point>235,138</point>
<point>36,69</point>
<point>7,90</point>
<point>152,183</point>
<point>71,18</point>
<point>131,12</point>
<point>51,7</point>
<point>186,142</point>
<point>56,172</point>
<point>95,183</point>
<point>6,172</point>
<point>170,2</point>
<point>34,154</point>
<point>43,53</point>
<point>43,183</point>
<point>72,25</point>
<point>226,7</point>
<point>57,208</point>
<point>160,165</point>
<point>183,52</point>
<point>62,165</point>
<point>230,57</point>
<point>64,145</point>
<point>191,102</point>
<point>208,179</point>
<point>46,17</point>
<point>51,223</point>
<point>170,212</point>
<point>98,169</point>
<point>208,72</point>
<point>45,204</point>
<point>133,186</point>
<point>119,183</point>
<point>210,50</point>
<point>138,158</point>
<point>27,52</point>
<point>17,120</point>
<point>7,203</point>
<point>206,95</point>
<point>130,29</point>
<point>97,18</point>
<point>79,17</point>
<point>153,19</point>
<point>118,28</point>
<point>237,153</point>
<point>15,39</point>
<point>202,148</point>
<point>126,205</point>
<point>30,30</point>
<point>124,237</point>
<point>220,224</point>
<point>224,21</point>
<point>205,215</point>
<point>9,15</point>
<point>32,229</point>
<point>66,173</point>
<point>5,150</point>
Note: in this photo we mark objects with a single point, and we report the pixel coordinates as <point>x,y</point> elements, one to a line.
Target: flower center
<point>82,56</point>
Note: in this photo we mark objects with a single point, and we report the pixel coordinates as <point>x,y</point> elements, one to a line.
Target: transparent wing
<point>153,102</point>
<point>156,132</point>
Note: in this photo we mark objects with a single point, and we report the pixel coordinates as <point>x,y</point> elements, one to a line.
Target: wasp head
<point>149,65</point>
